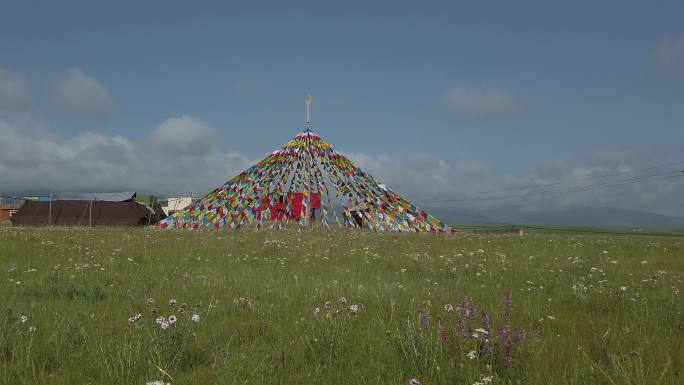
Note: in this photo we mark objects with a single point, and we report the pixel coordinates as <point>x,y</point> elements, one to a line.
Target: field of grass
<point>338,307</point>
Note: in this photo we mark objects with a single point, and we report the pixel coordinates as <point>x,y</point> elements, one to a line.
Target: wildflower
<point>32,328</point>
<point>327,304</point>
<point>195,318</point>
<point>343,301</point>
<point>472,354</point>
<point>486,380</point>
<point>354,308</point>
<point>160,320</point>
<point>133,319</point>
<point>441,330</point>
<point>519,336</point>
<point>623,288</point>
<point>150,301</point>
<point>424,319</point>
<point>472,311</point>
<point>486,332</point>
<point>508,301</point>
<point>316,311</point>
<point>164,325</point>
<point>172,319</point>
<point>23,319</point>
<point>414,381</point>
<point>675,290</point>
<point>172,302</point>
<point>462,327</point>
<point>449,307</point>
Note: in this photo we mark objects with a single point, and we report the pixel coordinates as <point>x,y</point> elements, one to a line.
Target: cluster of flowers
<point>134,318</point>
<point>475,326</point>
<point>24,319</point>
<point>332,309</point>
<point>164,322</point>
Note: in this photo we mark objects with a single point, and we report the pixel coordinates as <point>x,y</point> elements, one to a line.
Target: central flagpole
<point>308,162</point>
<point>308,111</point>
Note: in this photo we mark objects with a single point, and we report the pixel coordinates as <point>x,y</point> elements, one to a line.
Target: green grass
<point>256,293</point>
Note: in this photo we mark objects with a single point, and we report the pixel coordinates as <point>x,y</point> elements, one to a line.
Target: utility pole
<point>50,211</point>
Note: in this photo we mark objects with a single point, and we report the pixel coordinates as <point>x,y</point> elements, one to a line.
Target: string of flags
<point>305,181</point>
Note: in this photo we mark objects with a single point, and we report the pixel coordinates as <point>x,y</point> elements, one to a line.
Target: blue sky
<point>510,88</point>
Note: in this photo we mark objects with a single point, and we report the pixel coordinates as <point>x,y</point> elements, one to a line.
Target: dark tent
<point>83,213</point>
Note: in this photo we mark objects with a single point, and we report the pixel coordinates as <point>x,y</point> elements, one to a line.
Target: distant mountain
<point>595,217</point>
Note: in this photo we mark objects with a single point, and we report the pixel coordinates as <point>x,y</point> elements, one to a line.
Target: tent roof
<point>74,213</point>
<point>102,196</point>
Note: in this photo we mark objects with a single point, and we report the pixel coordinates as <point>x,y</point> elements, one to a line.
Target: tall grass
<point>276,307</point>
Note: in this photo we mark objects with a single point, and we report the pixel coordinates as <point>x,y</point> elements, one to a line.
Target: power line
<point>595,186</point>
<point>566,181</point>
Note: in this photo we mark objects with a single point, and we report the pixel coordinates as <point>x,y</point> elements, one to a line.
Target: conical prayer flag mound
<point>304,182</point>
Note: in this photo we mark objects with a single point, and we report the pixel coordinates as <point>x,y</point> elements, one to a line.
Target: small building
<point>171,205</point>
<point>7,211</point>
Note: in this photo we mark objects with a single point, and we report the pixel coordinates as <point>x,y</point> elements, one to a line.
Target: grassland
<point>338,307</point>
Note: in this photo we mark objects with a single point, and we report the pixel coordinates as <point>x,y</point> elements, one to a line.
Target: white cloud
<point>462,103</point>
<point>14,94</point>
<point>461,182</point>
<point>35,159</point>
<point>185,134</point>
<point>669,55</point>
<point>81,95</point>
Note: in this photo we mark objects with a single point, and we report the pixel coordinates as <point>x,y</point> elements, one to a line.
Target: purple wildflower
<point>463,306</point>
<point>462,326</point>
<point>519,336</point>
<point>508,302</point>
<point>424,319</point>
<point>505,343</point>
<point>472,311</point>
<point>507,351</point>
<point>440,329</point>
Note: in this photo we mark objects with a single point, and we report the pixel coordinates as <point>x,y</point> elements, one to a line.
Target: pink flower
<point>414,381</point>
